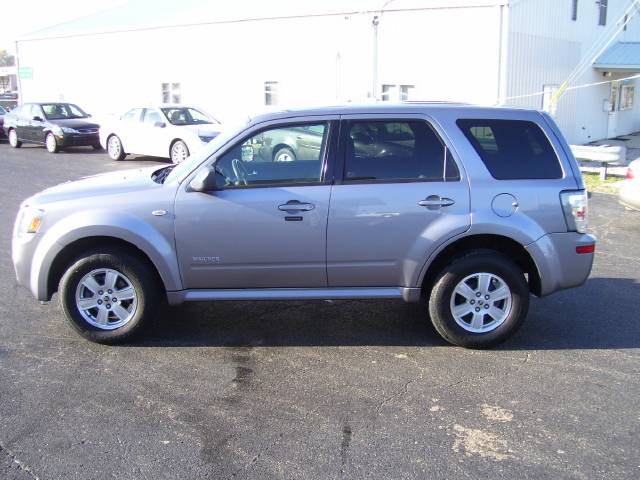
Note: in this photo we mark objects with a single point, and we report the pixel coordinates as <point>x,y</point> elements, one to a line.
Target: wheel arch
<point>506,246</point>
<point>71,251</point>
<point>279,147</point>
<point>93,228</point>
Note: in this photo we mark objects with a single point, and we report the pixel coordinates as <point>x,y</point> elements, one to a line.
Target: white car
<point>169,131</point>
<point>629,195</point>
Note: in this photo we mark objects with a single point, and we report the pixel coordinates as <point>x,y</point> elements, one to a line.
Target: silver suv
<point>469,208</point>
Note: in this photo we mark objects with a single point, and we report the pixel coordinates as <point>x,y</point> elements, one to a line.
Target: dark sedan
<point>54,125</point>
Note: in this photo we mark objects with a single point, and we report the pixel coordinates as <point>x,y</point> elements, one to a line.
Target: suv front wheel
<point>108,296</point>
<point>479,300</point>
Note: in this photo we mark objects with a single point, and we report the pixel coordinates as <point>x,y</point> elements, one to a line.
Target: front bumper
<point>22,251</point>
<point>78,140</point>
<point>559,265</point>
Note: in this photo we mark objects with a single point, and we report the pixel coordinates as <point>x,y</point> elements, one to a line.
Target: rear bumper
<point>559,265</point>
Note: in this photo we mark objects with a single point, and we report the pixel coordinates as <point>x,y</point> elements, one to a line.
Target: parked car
<point>629,194</point>
<point>298,143</point>
<point>169,131</point>
<point>474,210</point>
<point>54,125</point>
<point>3,112</point>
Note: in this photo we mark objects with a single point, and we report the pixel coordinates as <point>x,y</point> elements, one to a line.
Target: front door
<point>266,228</point>
<point>401,195</point>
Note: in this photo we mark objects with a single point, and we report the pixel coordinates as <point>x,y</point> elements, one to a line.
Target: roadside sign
<point>25,73</point>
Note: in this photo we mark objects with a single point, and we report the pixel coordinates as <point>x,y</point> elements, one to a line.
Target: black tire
<point>115,151</point>
<point>141,278</point>
<point>51,143</point>
<point>284,151</point>
<point>14,141</point>
<point>440,309</point>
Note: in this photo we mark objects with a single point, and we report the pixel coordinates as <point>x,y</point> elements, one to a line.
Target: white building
<point>233,58</point>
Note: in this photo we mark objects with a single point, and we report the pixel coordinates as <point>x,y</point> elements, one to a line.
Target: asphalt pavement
<point>320,390</point>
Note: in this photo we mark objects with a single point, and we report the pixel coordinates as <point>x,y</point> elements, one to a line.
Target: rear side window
<point>512,149</point>
<point>396,150</point>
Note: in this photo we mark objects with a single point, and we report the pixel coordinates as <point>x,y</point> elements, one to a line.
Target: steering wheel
<point>240,171</point>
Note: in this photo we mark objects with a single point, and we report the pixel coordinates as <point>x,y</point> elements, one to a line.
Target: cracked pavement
<point>326,390</point>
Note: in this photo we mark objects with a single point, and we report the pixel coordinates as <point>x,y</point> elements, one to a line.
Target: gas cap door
<point>504,205</point>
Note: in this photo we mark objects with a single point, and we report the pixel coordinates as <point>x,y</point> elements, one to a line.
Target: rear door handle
<point>296,206</point>
<point>436,201</point>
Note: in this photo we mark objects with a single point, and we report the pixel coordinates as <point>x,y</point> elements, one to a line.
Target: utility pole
<point>374,75</point>
<point>374,86</point>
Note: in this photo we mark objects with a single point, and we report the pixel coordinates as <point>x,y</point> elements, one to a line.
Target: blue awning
<point>620,57</point>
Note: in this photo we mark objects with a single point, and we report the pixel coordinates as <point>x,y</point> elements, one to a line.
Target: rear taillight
<point>586,248</point>
<point>630,173</point>
<point>574,205</point>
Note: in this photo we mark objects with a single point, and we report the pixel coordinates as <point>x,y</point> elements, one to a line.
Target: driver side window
<point>278,156</point>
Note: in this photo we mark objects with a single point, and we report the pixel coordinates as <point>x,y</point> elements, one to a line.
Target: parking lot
<point>341,389</point>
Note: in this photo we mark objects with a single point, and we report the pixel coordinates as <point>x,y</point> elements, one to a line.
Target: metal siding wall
<point>448,54</point>
<point>546,45</point>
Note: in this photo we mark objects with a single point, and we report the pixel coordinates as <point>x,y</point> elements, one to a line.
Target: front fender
<point>156,241</point>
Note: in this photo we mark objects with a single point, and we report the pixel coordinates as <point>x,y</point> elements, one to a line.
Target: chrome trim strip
<point>408,294</point>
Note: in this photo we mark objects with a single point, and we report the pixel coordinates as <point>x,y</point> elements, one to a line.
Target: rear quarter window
<point>512,149</point>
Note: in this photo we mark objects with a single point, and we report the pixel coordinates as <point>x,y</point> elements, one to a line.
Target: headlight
<point>30,220</point>
<point>56,130</point>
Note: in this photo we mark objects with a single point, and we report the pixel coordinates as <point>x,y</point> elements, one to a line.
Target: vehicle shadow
<point>144,158</point>
<point>600,315</point>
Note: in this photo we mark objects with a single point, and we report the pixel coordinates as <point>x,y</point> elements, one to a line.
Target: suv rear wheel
<point>479,300</point>
<point>109,296</point>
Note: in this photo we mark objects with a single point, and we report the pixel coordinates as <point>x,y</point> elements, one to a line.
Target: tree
<point>6,60</point>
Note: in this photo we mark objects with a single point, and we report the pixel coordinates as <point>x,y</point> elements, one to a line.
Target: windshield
<point>62,111</point>
<point>187,116</point>
<point>200,156</point>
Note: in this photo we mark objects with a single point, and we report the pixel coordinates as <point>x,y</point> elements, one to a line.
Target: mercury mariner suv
<point>471,209</point>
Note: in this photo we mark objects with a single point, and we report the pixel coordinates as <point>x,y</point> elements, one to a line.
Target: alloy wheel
<point>179,152</point>
<point>13,138</point>
<point>481,302</point>
<point>106,299</point>
<point>114,147</point>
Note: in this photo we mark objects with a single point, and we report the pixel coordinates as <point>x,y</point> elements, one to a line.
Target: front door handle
<point>436,201</point>
<point>296,206</point>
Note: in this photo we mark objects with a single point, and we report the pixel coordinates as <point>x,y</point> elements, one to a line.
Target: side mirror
<point>208,180</point>
<point>37,119</point>
<point>88,115</point>
<point>160,124</point>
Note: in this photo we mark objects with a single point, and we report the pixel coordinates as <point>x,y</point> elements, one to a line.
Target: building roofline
<point>415,5</point>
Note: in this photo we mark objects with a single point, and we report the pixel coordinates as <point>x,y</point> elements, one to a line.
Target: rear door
<point>401,195</point>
